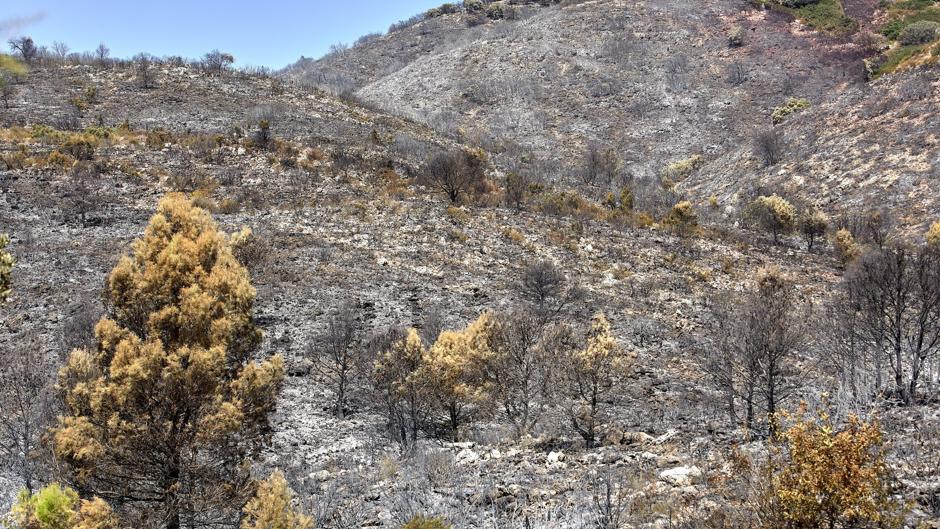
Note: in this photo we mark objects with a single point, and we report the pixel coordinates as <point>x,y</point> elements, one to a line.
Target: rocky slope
<point>873,146</point>
<point>659,83</point>
<point>336,228</point>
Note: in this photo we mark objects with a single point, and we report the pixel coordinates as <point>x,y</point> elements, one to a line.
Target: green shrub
<point>736,37</point>
<point>679,171</point>
<point>921,32</point>
<point>80,146</point>
<point>443,9</point>
<point>46,133</point>
<point>682,217</point>
<point>50,508</point>
<point>99,132</point>
<point>911,5</point>
<point>822,15</point>
<point>797,3</point>
<point>792,106</point>
<point>57,507</point>
<point>893,29</point>
<point>772,213</point>
<point>495,11</point>
<point>424,522</point>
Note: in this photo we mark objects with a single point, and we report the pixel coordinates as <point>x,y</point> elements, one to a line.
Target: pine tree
<point>847,248</point>
<point>166,413</point>
<point>822,475</point>
<point>454,367</point>
<point>57,507</point>
<point>403,389</point>
<point>774,214</point>
<point>592,373</point>
<point>6,268</point>
<point>272,508</point>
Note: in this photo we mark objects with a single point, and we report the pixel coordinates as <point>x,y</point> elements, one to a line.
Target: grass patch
<point>896,57</point>
<point>912,5</point>
<point>827,16</point>
<point>12,66</point>
<point>893,29</point>
<point>679,171</point>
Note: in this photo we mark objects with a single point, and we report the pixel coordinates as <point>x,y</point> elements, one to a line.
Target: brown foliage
<point>165,412</point>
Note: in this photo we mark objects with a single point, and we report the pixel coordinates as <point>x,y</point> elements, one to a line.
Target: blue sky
<point>257,33</point>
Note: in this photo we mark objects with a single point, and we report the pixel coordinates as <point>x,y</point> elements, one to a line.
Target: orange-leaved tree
<point>592,375</point>
<point>272,507</point>
<point>6,268</point>
<point>455,369</point>
<point>165,414</point>
<point>824,476</point>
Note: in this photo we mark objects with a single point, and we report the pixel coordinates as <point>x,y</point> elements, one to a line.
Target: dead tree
<point>82,196</point>
<point>610,498</point>
<point>769,147</point>
<point>102,52</point>
<point>546,288</point>
<point>523,367</point>
<point>600,163</point>
<point>335,354</point>
<point>25,407</point>
<point>455,173</point>
<point>25,48</point>
<point>7,90</point>
<point>897,297</point>
<point>216,62</point>
<point>754,342</point>
<point>146,78</point>
<point>857,370</point>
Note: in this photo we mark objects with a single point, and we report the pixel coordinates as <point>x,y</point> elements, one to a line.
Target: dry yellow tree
<point>165,414</point>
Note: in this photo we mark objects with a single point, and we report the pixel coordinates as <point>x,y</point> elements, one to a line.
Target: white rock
<point>467,457</point>
<point>681,476</point>
<point>320,476</point>
<point>555,460</point>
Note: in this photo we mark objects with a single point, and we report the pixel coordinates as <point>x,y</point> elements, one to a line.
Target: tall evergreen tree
<point>165,414</point>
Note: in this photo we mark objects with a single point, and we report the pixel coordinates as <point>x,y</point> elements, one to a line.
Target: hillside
<point>871,147</point>
<point>658,83</point>
<point>626,316</point>
<point>331,233</point>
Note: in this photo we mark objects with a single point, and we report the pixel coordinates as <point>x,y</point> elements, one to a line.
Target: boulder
<point>681,476</point>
